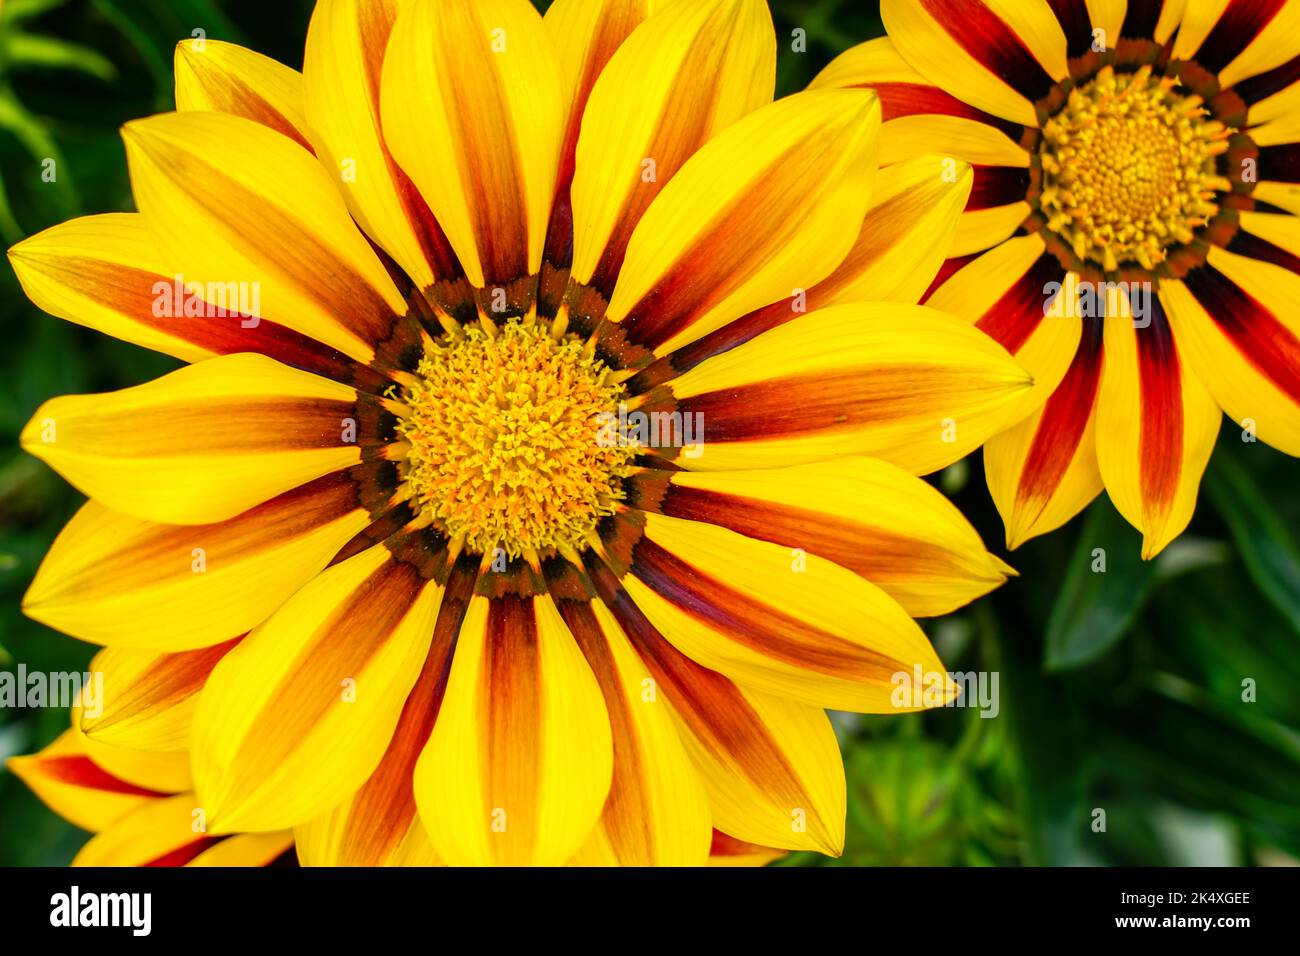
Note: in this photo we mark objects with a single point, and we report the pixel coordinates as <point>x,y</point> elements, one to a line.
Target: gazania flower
<point>1144,158</point>
<point>402,546</point>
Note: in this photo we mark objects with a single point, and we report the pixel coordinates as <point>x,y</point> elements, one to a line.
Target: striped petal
<point>116,580</point>
<point>149,698</point>
<point>1043,471</point>
<point>770,205</point>
<point>657,813</point>
<point>1239,38</point>
<point>75,787</point>
<point>1235,321</point>
<point>1157,425</point>
<point>342,67</point>
<point>771,766</point>
<point>1002,55</point>
<point>219,77</point>
<point>626,156</point>
<point>297,717</point>
<point>864,514</point>
<point>171,832</point>
<point>898,382</point>
<point>519,763</point>
<point>201,444</point>
<point>159,771</point>
<point>473,106</point>
<point>773,617</point>
<point>1019,294</point>
<point>585,33</point>
<point>228,200</point>
<point>103,272</point>
<point>728,851</point>
<point>379,825</point>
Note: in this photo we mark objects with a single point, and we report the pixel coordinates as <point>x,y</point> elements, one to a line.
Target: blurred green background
<point>1120,692</point>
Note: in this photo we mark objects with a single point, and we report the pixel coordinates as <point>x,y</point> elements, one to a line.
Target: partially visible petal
<point>342,66</point>
<point>473,105</point>
<point>866,515</point>
<point>160,771</point>
<point>771,766</point>
<point>104,272</point>
<point>149,697</point>
<point>520,760</point>
<point>625,156</point>
<point>1240,38</point>
<point>899,382</point>
<point>773,617</point>
<point>1043,471</point>
<point>297,717</point>
<point>227,200</point>
<point>770,205</point>
<point>728,851</point>
<point>75,787</point>
<point>220,77</point>
<point>1235,320</point>
<point>657,813</point>
<point>116,580</point>
<point>200,444</point>
<point>1001,55</point>
<point>1156,425</point>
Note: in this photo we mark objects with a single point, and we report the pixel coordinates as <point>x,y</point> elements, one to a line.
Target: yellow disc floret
<point>504,428</point>
<point>1129,168</point>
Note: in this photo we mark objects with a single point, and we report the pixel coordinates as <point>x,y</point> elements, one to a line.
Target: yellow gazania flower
<point>481,632</point>
<point>142,811</point>
<point>1119,146</point>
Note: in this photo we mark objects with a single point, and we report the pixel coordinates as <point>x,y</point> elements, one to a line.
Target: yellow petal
<point>159,771</point>
<point>116,580</point>
<point>227,200</point>
<point>161,832</point>
<point>980,56</point>
<point>75,787</point>
<point>626,156</point>
<point>246,849</point>
<point>104,272</point>
<point>200,444</point>
<point>1236,322</point>
<point>775,618</point>
<point>149,698</point>
<point>771,766</point>
<point>1156,427</point>
<point>342,66</point>
<point>294,719</point>
<point>770,205</point>
<point>657,813</point>
<point>898,382</point>
<point>220,77</point>
<point>473,106</point>
<point>1043,471</point>
<point>519,763</point>
<point>866,515</point>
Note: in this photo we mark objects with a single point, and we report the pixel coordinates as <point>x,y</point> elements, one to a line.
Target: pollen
<point>1129,168</point>
<point>503,428</point>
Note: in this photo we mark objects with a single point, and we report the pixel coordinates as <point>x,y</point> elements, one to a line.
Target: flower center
<point>1129,168</point>
<point>502,427</point>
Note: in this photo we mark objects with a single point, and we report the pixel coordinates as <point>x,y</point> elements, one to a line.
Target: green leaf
<point>1095,608</point>
<point>1267,549</point>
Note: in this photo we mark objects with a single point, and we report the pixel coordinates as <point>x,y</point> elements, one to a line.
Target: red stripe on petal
<point>911,99</point>
<point>1065,418</point>
<point>984,35</point>
<point>1265,343</point>
<point>1239,24</point>
<point>946,271</point>
<point>80,771</point>
<point>1261,87</point>
<point>1160,445</point>
<point>997,186</point>
<point>1013,318</point>
<point>184,854</point>
<point>1075,21</point>
<point>1280,163</point>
